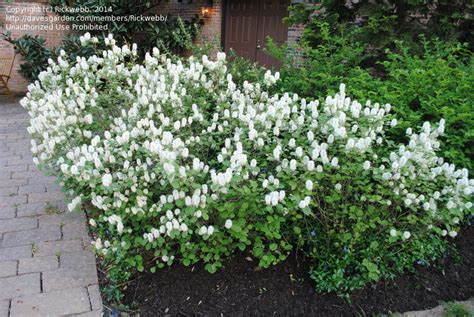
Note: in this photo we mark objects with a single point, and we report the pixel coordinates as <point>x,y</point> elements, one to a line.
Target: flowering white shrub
<point>175,162</point>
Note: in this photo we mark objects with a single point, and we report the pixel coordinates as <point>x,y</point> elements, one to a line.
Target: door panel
<point>248,23</point>
<point>240,28</point>
<point>270,24</point>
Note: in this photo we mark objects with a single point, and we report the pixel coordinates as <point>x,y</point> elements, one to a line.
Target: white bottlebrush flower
<point>292,143</point>
<point>299,151</point>
<point>228,224</point>
<point>467,191</point>
<point>120,227</point>
<point>210,230</point>
<point>221,56</point>
<point>330,138</point>
<point>74,203</point>
<point>305,202</point>
<point>393,232</point>
<point>338,186</point>
<point>183,227</point>
<point>253,163</point>
<point>406,235</point>
<point>276,153</point>
<point>202,230</point>
<point>366,165</point>
<point>450,204</point>
<point>309,184</point>
<point>293,165</point>
<point>281,195</point>
<point>302,204</point>
<point>107,180</point>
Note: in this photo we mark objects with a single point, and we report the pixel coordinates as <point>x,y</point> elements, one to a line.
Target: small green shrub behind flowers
<point>181,164</point>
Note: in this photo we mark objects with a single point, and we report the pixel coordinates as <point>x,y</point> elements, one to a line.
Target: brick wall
<point>294,34</point>
<point>210,31</point>
<point>18,83</point>
<point>295,31</point>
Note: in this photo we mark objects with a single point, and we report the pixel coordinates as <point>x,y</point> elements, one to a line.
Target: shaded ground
<point>239,289</point>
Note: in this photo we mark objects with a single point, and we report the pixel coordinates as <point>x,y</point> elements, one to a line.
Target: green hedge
<point>434,84</point>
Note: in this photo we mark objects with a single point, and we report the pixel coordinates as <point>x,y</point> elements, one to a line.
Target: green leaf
<point>211,268</point>
<point>297,230</point>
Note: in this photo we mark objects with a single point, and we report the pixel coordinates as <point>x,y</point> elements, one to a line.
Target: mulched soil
<point>240,289</point>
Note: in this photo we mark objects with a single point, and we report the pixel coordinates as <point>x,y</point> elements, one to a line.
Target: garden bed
<point>241,288</point>
<point>189,167</point>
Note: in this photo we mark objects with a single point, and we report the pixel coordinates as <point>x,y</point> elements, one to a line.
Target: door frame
<point>225,3</point>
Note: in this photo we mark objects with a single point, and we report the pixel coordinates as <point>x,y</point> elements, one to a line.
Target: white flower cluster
<point>155,147</point>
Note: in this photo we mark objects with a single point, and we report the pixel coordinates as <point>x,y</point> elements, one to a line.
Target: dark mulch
<point>240,289</point>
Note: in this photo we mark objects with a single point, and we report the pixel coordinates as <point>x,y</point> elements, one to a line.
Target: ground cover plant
<point>175,162</point>
<point>456,309</point>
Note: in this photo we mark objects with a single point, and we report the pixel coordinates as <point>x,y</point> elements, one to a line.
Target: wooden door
<point>270,24</point>
<point>248,24</point>
<point>240,28</point>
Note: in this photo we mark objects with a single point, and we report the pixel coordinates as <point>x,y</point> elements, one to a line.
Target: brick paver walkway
<point>46,266</point>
